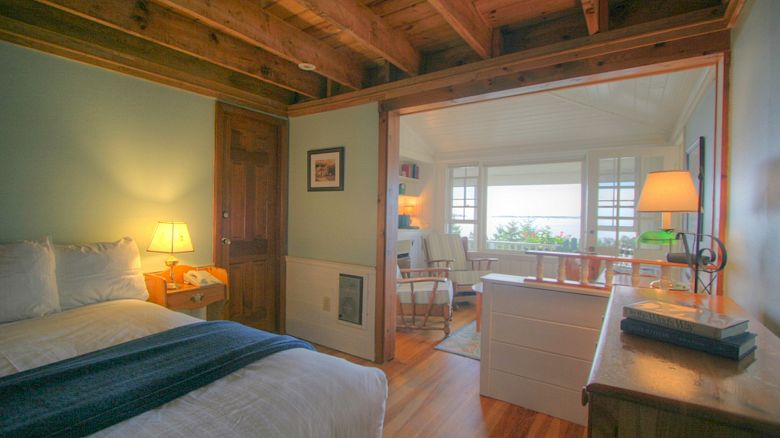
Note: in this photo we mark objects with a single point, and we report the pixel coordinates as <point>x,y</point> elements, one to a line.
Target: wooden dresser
<point>643,387</point>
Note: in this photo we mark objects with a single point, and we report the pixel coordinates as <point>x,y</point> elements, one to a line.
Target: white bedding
<point>294,393</point>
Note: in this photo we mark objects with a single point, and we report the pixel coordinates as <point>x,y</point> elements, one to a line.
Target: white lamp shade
<point>171,237</point>
<point>668,191</point>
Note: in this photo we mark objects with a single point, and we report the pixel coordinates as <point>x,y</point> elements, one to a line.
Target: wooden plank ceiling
<point>256,52</point>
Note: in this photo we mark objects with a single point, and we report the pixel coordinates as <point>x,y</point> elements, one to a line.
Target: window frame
<point>671,157</point>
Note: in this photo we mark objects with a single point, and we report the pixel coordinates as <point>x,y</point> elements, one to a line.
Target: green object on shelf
<point>658,237</point>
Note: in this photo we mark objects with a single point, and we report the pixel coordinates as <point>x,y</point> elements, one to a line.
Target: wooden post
<point>608,273</point>
<point>561,269</point>
<point>539,267</point>
<point>584,271</point>
<point>635,268</point>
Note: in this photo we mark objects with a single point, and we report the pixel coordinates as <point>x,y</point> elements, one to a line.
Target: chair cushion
<point>447,247</point>
<point>422,292</point>
<point>467,278</point>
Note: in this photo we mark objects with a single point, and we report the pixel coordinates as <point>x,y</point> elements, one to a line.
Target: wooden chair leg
<point>447,319</point>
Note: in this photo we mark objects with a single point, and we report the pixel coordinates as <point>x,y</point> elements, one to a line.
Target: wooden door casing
<point>249,175</point>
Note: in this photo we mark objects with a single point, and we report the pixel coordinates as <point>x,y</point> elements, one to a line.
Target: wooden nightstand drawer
<point>188,297</point>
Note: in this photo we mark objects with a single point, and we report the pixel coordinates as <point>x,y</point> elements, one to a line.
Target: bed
<point>293,393</point>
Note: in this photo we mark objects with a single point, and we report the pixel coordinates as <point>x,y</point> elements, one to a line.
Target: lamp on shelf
<point>666,192</point>
<point>407,209</point>
<point>171,238</point>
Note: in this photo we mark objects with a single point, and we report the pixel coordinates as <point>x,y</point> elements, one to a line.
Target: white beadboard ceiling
<point>634,112</point>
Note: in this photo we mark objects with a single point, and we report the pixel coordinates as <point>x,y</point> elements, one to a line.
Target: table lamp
<point>666,192</point>
<point>171,238</point>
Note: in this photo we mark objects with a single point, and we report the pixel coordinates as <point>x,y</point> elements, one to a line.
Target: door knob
<point>226,241</point>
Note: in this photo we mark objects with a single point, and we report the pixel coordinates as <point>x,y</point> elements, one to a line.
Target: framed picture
<point>326,169</point>
<point>351,298</point>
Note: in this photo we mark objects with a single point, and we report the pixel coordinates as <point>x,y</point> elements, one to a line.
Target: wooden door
<point>250,172</point>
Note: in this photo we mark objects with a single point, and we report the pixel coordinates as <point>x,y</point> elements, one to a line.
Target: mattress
<point>294,393</point>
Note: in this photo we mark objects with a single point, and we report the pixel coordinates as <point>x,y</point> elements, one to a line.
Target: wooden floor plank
<point>436,394</point>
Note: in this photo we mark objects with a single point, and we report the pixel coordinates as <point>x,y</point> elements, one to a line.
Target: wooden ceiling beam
<point>464,17</point>
<point>160,25</point>
<point>693,52</point>
<point>657,32</point>
<point>55,31</point>
<point>363,24</point>
<point>247,20</point>
<point>596,15</point>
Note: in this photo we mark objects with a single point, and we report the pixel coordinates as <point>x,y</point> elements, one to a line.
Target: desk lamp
<point>171,238</point>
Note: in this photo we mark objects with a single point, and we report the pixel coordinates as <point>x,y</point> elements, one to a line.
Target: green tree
<point>510,232</point>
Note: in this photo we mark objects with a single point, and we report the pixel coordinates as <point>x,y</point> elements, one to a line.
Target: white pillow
<point>28,286</point>
<point>97,272</point>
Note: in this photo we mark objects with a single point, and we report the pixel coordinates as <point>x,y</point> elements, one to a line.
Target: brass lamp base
<point>171,262</point>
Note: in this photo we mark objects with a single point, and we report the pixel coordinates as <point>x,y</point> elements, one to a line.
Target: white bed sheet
<point>294,393</point>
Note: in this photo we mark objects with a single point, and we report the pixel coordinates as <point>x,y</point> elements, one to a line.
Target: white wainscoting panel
<point>310,283</point>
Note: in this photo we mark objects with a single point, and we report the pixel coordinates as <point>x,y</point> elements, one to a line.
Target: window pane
<point>534,206</point>
<point>469,214</point>
<point>465,230</point>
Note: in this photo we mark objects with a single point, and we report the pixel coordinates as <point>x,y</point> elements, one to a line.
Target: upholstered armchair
<point>451,251</point>
<point>421,294</point>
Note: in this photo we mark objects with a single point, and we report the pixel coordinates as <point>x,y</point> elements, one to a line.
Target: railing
<point>503,245</point>
<point>587,262</point>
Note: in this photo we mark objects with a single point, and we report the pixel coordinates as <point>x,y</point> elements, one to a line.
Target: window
<point>534,206</point>
<point>544,206</point>
<point>464,202</point>
<point>619,180</point>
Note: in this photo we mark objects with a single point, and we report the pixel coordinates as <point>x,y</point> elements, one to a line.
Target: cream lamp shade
<point>171,238</point>
<point>666,192</point>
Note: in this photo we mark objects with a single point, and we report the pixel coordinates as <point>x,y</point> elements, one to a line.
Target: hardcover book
<point>734,347</point>
<point>687,319</point>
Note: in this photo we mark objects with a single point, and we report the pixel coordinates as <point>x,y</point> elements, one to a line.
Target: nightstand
<point>189,298</point>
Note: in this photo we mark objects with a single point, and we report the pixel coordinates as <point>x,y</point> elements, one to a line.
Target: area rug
<point>464,342</point>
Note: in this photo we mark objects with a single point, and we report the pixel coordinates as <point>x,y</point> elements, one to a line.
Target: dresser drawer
<point>193,298</point>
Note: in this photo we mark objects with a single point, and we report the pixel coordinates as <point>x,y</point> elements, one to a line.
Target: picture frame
<point>325,169</point>
<point>351,298</point>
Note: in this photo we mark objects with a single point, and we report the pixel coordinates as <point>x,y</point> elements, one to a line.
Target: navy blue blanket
<point>84,394</point>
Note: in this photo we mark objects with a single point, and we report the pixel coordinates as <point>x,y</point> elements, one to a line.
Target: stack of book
<point>690,327</point>
<point>410,170</point>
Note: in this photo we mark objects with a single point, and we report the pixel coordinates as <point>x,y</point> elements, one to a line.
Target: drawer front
<point>196,298</point>
<point>548,336</point>
<point>549,305</point>
<point>543,366</point>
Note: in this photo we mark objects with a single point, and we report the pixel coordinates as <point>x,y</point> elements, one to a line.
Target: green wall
<point>335,226</point>
<point>88,155</point>
<point>753,274</point>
